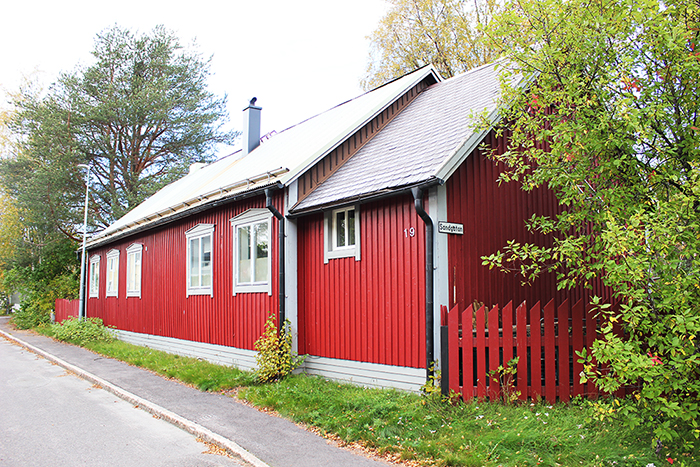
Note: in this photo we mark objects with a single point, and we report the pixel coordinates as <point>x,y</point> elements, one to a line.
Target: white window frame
<point>249,218</point>
<point>94,273</point>
<point>134,251</point>
<point>331,250</point>
<point>199,232</point>
<point>112,274</point>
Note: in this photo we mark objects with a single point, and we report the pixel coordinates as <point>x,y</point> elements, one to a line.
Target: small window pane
<point>94,278</point>
<point>351,227</point>
<point>131,272</point>
<point>340,228</point>
<point>137,271</point>
<point>261,252</point>
<point>244,263</point>
<point>206,261</point>
<point>194,262</point>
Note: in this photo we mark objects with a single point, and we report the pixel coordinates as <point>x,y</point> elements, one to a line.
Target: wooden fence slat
<point>619,332</point>
<point>521,342</point>
<point>535,351</point>
<point>563,341</point>
<point>482,377</point>
<point>507,319</point>
<point>64,309</point>
<point>545,340</point>
<point>453,347</point>
<point>591,334</point>
<point>577,345</point>
<point>468,353</point>
<point>494,352</point>
<point>550,382</point>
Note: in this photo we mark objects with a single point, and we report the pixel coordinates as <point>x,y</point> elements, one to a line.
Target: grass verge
<point>201,374</point>
<point>415,427</point>
<point>424,429</point>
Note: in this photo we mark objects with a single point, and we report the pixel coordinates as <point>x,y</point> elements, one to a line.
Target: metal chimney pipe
<point>251,127</point>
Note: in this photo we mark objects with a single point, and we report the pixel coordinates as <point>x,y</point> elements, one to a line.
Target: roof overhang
<point>365,197</point>
<point>199,204</point>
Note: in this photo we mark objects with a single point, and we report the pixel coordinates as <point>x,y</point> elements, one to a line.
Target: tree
<point>140,115</point>
<point>415,33</point>
<point>610,123</point>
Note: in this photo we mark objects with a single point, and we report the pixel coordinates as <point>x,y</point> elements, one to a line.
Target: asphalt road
<point>51,417</point>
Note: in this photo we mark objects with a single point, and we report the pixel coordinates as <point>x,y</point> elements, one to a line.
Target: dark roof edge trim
<point>181,215</point>
<point>366,198</point>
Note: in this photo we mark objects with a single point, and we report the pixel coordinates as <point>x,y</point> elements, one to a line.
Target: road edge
<point>189,426</point>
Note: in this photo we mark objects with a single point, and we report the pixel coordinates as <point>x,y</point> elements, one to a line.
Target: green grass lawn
<point>425,429</point>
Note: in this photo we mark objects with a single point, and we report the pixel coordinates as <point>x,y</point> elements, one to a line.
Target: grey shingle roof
<point>421,143</point>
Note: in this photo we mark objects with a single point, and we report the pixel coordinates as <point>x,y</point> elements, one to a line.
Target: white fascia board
<point>421,74</point>
<point>471,142</point>
<point>452,163</point>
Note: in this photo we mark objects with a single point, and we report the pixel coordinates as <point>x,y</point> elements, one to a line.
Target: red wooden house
<point>385,205</point>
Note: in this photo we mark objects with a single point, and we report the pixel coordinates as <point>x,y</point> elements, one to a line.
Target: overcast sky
<point>298,57</point>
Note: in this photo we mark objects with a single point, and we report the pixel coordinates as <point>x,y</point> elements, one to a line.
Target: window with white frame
<point>342,233</point>
<point>133,270</point>
<point>251,253</point>
<point>95,276</point>
<point>112,285</point>
<point>199,260</point>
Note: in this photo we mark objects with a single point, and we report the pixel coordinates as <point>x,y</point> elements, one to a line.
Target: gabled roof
<point>277,161</point>
<point>427,141</point>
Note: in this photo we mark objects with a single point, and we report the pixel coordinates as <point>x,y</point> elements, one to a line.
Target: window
<point>112,289</point>
<point>251,255</point>
<point>199,260</point>
<point>95,276</point>
<point>133,270</point>
<point>342,233</point>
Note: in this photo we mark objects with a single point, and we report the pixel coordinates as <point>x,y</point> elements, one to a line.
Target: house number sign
<point>450,228</point>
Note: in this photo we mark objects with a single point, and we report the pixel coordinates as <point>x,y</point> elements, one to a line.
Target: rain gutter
<point>429,284</point>
<point>281,267</point>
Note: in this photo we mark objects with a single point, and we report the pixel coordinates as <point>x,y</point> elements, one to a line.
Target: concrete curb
<point>161,412</point>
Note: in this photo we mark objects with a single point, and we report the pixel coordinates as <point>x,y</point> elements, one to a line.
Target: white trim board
<point>360,373</point>
<point>366,374</point>
<point>219,354</point>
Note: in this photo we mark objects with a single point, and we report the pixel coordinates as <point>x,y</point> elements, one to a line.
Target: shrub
<point>80,332</point>
<point>275,357</point>
<point>30,316</point>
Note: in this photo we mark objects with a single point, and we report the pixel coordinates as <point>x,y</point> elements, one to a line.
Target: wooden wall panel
<point>372,310</point>
<point>492,214</point>
<point>164,309</point>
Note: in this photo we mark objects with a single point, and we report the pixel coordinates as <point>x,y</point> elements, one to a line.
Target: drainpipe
<point>429,324</point>
<point>280,229</point>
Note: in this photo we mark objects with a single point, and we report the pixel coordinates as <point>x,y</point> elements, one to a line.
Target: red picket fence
<point>545,339</point>
<point>66,308</point>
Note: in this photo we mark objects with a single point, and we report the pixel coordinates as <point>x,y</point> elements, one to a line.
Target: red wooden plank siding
<point>164,309</point>
<point>492,214</point>
<point>372,310</point>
